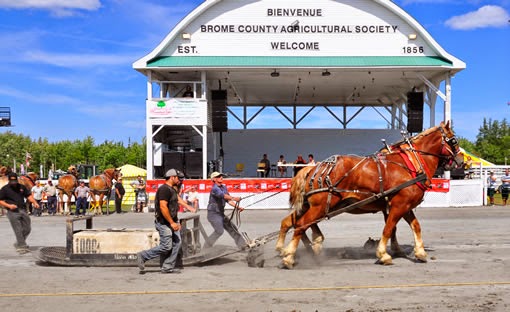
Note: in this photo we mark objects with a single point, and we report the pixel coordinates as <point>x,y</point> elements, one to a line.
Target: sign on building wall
<point>179,111</point>
<point>298,28</point>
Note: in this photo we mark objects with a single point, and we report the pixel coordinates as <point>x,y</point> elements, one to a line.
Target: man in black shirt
<point>119,193</point>
<point>12,197</point>
<point>167,224</point>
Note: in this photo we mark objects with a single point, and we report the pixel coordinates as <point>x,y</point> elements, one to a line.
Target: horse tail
<point>297,190</point>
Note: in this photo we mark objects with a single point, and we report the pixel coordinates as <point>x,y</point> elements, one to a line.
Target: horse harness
<point>412,158</point>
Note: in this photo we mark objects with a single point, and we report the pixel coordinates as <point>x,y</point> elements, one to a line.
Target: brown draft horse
<point>102,185</point>
<point>66,185</point>
<point>28,180</point>
<point>393,182</point>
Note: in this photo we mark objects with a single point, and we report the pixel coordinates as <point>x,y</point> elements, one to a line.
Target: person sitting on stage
<point>299,161</point>
<point>282,169</point>
<point>266,167</point>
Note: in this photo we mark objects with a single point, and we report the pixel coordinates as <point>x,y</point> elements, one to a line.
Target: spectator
<point>137,185</point>
<point>188,93</point>
<point>12,198</point>
<point>167,224</point>
<point>266,166</point>
<point>468,168</point>
<point>299,161</point>
<point>192,197</point>
<point>218,197</point>
<point>37,190</point>
<point>282,169</point>
<point>119,194</point>
<point>505,187</point>
<point>491,186</point>
<point>50,191</point>
<point>81,193</point>
<point>311,161</point>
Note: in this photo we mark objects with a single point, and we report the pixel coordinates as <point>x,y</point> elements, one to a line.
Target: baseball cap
<point>174,173</point>
<point>12,176</point>
<point>216,174</point>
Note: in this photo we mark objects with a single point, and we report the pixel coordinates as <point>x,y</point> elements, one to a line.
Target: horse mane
<point>111,173</point>
<point>297,189</point>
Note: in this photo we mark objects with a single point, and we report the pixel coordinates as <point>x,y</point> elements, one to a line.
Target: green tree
<point>493,140</point>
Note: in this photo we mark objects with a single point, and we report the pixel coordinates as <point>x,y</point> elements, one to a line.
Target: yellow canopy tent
<point>129,174</point>
<point>476,160</point>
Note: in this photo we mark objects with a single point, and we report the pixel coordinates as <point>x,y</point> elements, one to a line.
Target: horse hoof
<point>399,254</point>
<point>385,260</point>
<point>284,266</point>
<point>421,260</point>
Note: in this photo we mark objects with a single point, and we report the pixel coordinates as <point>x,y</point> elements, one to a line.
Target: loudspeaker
<point>193,162</point>
<point>173,160</point>
<point>219,110</point>
<point>414,112</point>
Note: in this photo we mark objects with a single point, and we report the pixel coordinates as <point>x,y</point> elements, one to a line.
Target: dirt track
<point>468,270</point>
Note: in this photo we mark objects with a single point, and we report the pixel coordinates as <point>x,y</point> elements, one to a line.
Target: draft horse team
<point>393,181</point>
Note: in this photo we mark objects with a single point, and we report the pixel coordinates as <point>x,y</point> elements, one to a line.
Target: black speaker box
<point>415,101</point>
<point>193,162</point>
<point>173,160</point>
<point>219,110</point>
<point>414,112</point>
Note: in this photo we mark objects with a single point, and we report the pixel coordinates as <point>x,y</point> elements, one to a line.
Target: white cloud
<point>89,5</point>
<point>78,59</point>
<point>486,16</point>
<point>58,8</point>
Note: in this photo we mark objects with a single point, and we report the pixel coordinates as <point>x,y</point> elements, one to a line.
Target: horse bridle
<point>452,142</point>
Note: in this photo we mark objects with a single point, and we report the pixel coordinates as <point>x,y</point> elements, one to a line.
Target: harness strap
<point>412,169</point>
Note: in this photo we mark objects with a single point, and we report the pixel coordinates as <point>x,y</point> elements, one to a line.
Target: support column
<point>448,100</point>
<point>148,132</point>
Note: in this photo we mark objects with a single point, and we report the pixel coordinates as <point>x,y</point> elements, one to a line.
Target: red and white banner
<point>258,193</point>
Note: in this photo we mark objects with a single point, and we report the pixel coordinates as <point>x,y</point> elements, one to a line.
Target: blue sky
<point>66,69</point>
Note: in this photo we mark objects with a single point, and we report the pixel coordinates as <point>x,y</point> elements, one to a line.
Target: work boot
<point>141,262</point>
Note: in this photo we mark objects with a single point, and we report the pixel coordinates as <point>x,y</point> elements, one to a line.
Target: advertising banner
<point>179,111</point>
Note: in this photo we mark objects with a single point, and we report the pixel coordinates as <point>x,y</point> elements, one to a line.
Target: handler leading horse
<point>394,182</point>
<point>102,185</point>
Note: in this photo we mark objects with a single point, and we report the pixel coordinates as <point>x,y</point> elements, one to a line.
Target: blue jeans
<point>52,204</point>
<point>220,223</point>
<point>168,248</point>
<point>81,203</point>
<point>21,225</point>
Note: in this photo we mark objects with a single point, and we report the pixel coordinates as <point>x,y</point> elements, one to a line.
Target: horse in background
<point>66,185</point>
<point>102,185</point>
<point>393,182</point>
<point>28,180</point>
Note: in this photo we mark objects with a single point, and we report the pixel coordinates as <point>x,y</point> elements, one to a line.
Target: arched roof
<point>375,69</point>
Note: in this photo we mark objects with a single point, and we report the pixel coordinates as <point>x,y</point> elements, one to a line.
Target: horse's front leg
<point>389,227</point>
<point>395,247</point>
<point>419,249</point>
<point>317,239</point>
<point>289,252</point>
<point>286,224</point>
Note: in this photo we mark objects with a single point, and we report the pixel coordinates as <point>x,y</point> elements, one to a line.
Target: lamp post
<point>506,158</point>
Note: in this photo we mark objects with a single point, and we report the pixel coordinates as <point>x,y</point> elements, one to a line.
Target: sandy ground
<point>468,270</point>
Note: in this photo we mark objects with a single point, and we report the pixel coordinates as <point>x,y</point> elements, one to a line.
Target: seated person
<point>299,161</point>
<point>192,197</point>
<point>282,169</point>
<point>188,93</point>
<point>266,166</point>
